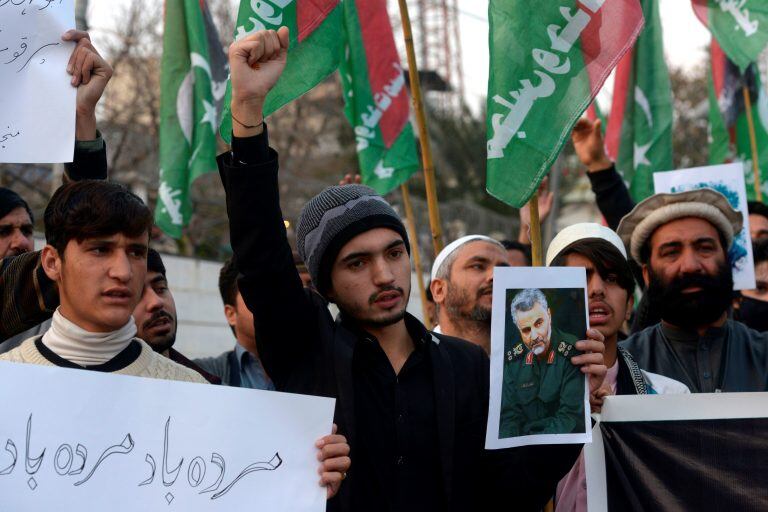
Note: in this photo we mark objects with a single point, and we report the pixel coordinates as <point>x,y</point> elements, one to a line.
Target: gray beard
<point>454,301</point>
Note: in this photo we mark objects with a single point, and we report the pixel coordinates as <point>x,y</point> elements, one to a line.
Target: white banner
<point>73,440</point>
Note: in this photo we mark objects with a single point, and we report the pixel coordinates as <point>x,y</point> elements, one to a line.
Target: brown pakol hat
<point>638,225</point>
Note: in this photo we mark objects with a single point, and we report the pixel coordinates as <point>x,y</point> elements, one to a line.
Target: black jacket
<point>305,351</point>
<point>611,194</point>
<point>744,365</point>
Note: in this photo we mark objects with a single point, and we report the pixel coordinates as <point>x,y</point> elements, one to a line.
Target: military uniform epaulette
<point>565,349</point>
<point>516,352</point>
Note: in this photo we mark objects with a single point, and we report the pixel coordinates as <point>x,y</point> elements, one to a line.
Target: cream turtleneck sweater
<point>84,348</point>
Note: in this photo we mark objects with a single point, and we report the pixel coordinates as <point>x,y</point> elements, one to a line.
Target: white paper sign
<point>537,398</point>
<point>37,103</point>
<point>728,180</point>
<point>73,440</point>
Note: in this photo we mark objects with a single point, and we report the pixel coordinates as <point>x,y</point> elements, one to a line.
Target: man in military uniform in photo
<point>543,393</point>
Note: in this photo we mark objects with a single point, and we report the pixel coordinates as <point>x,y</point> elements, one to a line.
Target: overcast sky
<point>685,38</point>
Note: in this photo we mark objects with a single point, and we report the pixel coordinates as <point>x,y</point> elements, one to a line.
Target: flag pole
<point>753,143</point>
<point>414,237</point>
<point>536,250</point>
<point>421,121</point>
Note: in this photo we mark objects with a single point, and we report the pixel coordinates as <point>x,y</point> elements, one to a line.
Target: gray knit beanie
<point>334,217</point>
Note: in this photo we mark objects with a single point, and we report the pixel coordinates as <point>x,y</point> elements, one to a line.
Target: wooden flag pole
<point>414,237</point>
<point>536,250</point>
<point>753,143</point>
<point>421,121</point>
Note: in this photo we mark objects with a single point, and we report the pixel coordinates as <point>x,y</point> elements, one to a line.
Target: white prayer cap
<point>451,248</point>
<point>583,231</point>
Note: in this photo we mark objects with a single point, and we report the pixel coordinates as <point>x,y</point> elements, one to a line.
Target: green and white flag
<point>376,97</point>
<point>548,61</point>
<point>740,26</point>
<point>315,45</point>
<point>639,134</point>
<point>193,82</point>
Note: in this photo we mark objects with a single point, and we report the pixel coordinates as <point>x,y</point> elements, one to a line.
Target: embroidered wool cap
<point>583,231</point>
<point>334,217</point>
<point>639,225</point>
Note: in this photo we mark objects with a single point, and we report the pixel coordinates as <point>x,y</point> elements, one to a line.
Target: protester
<point>518,254</point>
<point>610,288</point>
<point>155,316</point>
<point>681,240</point>
<point>422,397</point>
<point>758,220</point>
<point>240,367</point>
<point>97,236</point>
<point>96,253</point>
<point>16,228</point>
<point>90,74</point>
<point>751,306</point>
<point>462,286</point>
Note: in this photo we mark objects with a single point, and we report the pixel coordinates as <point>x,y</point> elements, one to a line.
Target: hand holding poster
<point>729,181</point>
<point>37,106</point>
<point>537,395</point>
<point>74,439</point>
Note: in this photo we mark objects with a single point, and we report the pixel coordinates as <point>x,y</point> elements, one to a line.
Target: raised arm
<point>284,316</point>
<point>90,74</point>
<point>611,193</point>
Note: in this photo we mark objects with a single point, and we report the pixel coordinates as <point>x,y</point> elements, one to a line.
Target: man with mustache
<point>543,391</point>
<point>462,287</point>
<point>681,241</point>
<point>155,316</point>
<point>413,404</point>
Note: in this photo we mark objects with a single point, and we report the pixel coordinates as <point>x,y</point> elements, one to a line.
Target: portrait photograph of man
<point>541,396</point>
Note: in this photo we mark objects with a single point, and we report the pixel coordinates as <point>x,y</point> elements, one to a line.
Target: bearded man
<point>462,286</point>
<point>681,241</point>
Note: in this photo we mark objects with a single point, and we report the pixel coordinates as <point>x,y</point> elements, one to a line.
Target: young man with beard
<point>240,367</point>
<point>155,316</point>
<point>413,404</point>
<point>96,253</point>
<point>682,240</point>
<point>610,286</point>
<point>462,287</point>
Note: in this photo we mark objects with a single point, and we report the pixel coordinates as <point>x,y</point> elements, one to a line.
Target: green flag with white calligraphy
<point>376,97</point>
<point>193,82</point>
<point>547,65</point>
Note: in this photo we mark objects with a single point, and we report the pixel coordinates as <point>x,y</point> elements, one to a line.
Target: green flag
<point>639,134</point>
<point>376,97</point>
<point>193,78</point>
<point>314,51</point>
<point>547,64</point>
<point>728,124</point>
<point>740,26</point>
